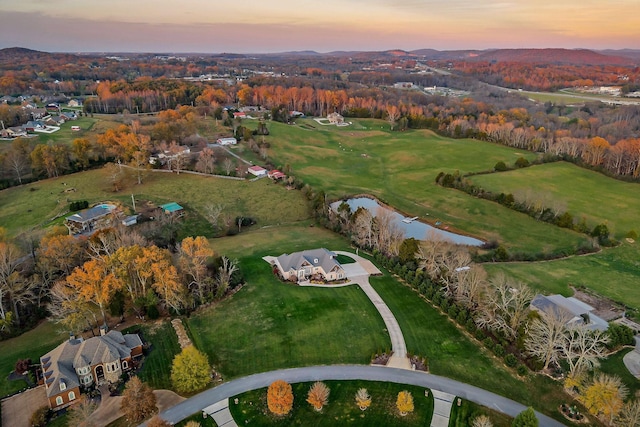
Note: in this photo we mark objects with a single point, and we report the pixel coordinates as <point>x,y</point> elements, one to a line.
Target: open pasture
<point>39,203</point>
<point>400,169</point>
<point>582,192</point>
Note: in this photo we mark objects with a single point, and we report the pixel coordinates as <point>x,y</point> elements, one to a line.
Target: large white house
<point>300,266</point>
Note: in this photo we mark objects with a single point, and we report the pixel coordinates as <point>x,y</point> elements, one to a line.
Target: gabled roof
<point>60,364</point>
<point>95,212</point>
<point>171,207</point>
<point>580,312</point>
<point>313,257</point>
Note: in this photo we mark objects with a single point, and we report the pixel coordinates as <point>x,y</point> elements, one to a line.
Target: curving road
<point>349,372</point>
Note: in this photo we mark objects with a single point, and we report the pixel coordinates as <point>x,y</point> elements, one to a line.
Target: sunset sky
<point>249,26</point>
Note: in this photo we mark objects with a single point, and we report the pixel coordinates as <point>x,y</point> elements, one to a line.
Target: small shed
<point>275,174</point>
<point>172,208</point>
<point>130,220</point>
<point>257,170</point>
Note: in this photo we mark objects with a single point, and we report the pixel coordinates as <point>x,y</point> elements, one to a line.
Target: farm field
<point>584,193</point>
<point>613,272</point>
<point>39,203</point>
<point>400,169</point>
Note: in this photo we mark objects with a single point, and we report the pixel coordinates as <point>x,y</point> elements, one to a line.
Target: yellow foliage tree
<point>363,399</point>
<point>404,403</point>
<point>280,397</point>
<point>318,395</point>
<point>190,370</point>
<point>604,396</point>
<point>95,283</point>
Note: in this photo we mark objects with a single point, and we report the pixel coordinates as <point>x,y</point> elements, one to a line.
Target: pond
<point>412,228</point>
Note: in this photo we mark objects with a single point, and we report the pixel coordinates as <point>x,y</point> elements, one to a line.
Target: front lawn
<point>341,409</point>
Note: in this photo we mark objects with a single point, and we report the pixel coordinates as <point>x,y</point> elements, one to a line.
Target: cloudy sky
<point>250,26</point>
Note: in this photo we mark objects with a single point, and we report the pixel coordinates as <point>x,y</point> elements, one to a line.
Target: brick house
<point>77,364</point>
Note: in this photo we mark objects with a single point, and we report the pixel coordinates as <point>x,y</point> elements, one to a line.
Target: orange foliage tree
<point>318,395</point>
<point>280,397</point>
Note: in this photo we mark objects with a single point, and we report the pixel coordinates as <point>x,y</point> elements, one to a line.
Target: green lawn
<point>580,191</point>
<point>156,369</point>
<point>400,169</point>
<point>38,203</point>
<point>32,345</point>
<point>270,325</point>
<point>613,272</point>
<point>614,365</point>
<point>463,415</point>
<point>341,409</point>
<point>452,354</point>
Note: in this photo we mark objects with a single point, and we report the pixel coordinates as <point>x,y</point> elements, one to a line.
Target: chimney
<point>72,336</point>
<point>103,329</point>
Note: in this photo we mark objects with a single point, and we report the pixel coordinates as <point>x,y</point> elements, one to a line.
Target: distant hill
<point>20,52</point>
<point>553,56</point>
<point>627,53</point>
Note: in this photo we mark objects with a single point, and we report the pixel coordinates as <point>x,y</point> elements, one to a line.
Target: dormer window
<point>315,260</point>
<point>63,385</point>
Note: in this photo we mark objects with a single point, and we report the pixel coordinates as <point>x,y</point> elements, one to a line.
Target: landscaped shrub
<point>500,167</point>
<point>488,342</point>
<point>498,350</point>
<point>479,334</point>
<point>79,205</point>
<point>363,399</point>
<point>404,403</point>
<point>522,370</point>
<point>461,318</point>
<point>280,397</point>
<point>522,162</point>
<point>632,234</point>
<point>318,395</point>
<point>511,360</point>
<point>39,416</point>
<point>453,311</point>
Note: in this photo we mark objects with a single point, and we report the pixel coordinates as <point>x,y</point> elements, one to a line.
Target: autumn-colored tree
<point>62,253</point>
<point>526,418</point>
<point>138,401</point>
<point>94,282</point>
<point>82,151</point>
<point>629,416</point>
<point>318,395</point>
<point>404,402</point>
<point>363,399</point>
<point>66,308</point>
<point>604,396</point>
<point>167,285</point>
<point>193,254</point>
<point>280,397</point>
<point>190,370</point>
<point>80,414</point>
<point>156,421</point>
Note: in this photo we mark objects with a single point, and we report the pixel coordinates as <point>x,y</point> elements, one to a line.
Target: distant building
<point>172,209</point>
<point>227,141</point>
<point>257,171</point>
<point>335,118</point>
<point>275,174</point>
<point>403,85</point>
<point>74,103</point>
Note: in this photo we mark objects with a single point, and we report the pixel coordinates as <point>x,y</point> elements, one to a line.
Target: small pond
<point>416,229</point>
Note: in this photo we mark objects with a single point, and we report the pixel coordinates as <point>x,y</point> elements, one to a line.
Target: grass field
<point>463,415</point>
<point>584,193</point>
<point>38,203</point>
<point>269,325</point>
<point>613,272</point>
<point>341,409</point>
<point>30,345</point>
<point>400,169</point>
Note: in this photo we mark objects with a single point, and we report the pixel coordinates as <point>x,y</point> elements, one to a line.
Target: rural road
<point>349,372</point>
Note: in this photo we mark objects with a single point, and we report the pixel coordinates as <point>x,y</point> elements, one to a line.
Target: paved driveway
<point>17,410</point>
<point>350,372</point>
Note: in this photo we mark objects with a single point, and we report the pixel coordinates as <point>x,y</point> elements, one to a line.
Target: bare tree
<point>10,260</point>
<point>69,310</point>
<point>584,348</point>
<point>547,335</point>
<point>362,227</point>
<point>629,416</point>
<point>387,236</point>
<point>223,278</point>
<point>212,212</point>
<point>206,161</point>
<point>505,307</point>
<point>80,414</point>
<point>228,165</point>
<point>393,114</point>
<point>472,285</point>
<point>18,163</point>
